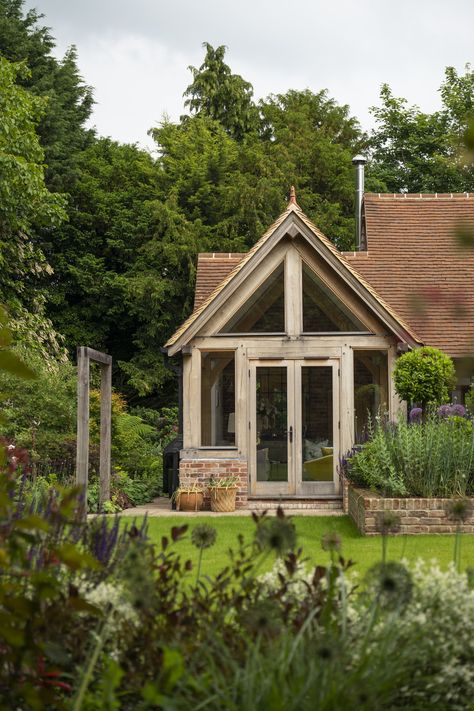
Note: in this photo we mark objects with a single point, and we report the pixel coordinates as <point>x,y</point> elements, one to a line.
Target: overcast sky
<point>135,53</point>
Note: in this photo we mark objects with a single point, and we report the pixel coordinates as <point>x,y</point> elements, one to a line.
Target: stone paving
<point>162,507</point>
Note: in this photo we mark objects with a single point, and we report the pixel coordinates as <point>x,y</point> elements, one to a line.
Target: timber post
<point>84,356</point>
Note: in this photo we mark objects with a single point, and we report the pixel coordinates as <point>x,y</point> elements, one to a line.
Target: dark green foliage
<point>109,222</point>
<point>222,96</point>
<point>312,140</point>
<point>23,37</point>
<point>41,414</point>
<point>25,202</point>
<point>424,376</point>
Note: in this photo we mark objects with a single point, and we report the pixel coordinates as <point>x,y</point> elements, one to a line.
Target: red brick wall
<point>200,471</point>
<point>416,515</point>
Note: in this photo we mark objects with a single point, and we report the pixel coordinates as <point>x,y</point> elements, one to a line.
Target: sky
<point>136,53</point>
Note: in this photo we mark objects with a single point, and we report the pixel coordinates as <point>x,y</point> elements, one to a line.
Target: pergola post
<point>105,431</point>
<point>84,356</point>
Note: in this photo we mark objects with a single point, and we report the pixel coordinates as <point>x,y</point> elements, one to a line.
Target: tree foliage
<point>69,101</point>
<point>415,151</point>
<point>26,205</point>
<point>425,376</point>
<point>222,96</point>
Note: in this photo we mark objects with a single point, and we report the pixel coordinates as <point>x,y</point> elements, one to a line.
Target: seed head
<point>459,510</point>
<point>331,542</point>
<point>277,533</point>
<point>203,536</point>
<point>388,522</point>
<point>391,583</point>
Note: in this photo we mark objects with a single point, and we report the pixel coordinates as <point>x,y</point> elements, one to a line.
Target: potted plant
<point>189,498</point>
<point>223,491</point>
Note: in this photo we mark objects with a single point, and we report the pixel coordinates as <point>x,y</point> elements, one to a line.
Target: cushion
<point>313,450</point>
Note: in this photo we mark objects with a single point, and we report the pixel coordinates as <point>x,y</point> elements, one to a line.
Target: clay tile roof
<point>415,261</point>
<point>216,270</point>
<point>211,270</point>
<point>235,270</point>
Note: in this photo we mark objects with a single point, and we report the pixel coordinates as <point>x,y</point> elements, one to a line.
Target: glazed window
<point>264,312</point>
<point>323,311</point>
<point>370,389</point>
<point>218,399</point>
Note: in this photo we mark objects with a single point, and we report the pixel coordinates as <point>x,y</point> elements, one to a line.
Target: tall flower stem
<point>198,573</point>
<point>457,548</point>
<point>89,671</point>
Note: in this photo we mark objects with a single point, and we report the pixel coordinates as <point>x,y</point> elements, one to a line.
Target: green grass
<point>310,529</point>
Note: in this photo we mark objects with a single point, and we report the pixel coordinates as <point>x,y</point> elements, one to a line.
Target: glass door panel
<point>272,423</point>
<point>293,426</point>
<point>317,423</point>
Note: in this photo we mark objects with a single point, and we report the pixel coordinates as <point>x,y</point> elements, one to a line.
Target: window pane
<point>317,423</point>
<point>322,310</point>
<point>264,312</point>
<point>370,389</point>
<point>272,424</point>
<point>217,399</point>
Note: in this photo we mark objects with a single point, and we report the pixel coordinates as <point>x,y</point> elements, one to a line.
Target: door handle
<point>290,432</point>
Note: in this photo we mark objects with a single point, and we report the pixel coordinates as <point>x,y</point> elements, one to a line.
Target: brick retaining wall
<point>200,471</point>
<point>416,515</point>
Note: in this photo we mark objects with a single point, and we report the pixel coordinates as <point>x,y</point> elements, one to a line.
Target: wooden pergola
<point>84,357</point>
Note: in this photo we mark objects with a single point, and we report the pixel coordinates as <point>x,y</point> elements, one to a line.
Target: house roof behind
<point>211,270</point>
<point>228,266</point>
<point>416,261</point>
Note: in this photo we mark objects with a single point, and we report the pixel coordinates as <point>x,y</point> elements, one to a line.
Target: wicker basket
<point>190,501</point>
<point>223,498</point>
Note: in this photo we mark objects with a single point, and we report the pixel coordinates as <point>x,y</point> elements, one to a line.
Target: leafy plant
<point>224,482</point>
<point>424,375</point>
<point>469,399</point>
<point>431,458</point>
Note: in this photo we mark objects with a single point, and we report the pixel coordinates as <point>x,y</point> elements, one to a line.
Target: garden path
<point>161,506</point>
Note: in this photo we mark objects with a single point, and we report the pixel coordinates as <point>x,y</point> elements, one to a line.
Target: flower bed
<point>433,458</point>
<point>416,515</point>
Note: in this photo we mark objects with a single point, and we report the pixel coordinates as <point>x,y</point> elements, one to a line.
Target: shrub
<point>470,400</point>
<point>431,458</point>
<point>424,375</point>
<point>40,414</point>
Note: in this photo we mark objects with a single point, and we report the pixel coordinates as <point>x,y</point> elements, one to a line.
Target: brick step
<point>327,503</point>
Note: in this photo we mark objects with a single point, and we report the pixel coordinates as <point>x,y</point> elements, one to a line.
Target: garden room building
<point>290,348</point>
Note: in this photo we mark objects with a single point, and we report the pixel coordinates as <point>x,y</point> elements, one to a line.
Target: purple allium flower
<point>416,413</point>
<point>458,411</point>
<point>444,411</point>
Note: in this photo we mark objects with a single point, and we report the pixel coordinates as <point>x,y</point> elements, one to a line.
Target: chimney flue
<point>359,163</point>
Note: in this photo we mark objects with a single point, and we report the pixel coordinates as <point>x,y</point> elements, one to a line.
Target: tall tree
<point>414,151</point>
<point>220,95</point>
<point>109,221</point>
<point>313,140</point>
<point>62,128</point>
<point>25,205</point>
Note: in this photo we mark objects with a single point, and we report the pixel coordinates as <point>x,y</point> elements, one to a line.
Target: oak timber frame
<point>292,241</point>
<point>84,357</point>
<point>335,349</point>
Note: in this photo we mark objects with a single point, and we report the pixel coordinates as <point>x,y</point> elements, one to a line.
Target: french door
<point>293,426</point>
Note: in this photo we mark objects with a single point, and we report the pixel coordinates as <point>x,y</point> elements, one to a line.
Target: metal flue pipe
<point>359,163</point>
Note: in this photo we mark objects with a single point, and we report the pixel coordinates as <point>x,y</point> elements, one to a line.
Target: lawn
<point>310,529</point>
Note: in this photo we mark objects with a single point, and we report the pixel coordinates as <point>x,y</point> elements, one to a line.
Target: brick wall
<point>416,515</point>
<point>200,471</point>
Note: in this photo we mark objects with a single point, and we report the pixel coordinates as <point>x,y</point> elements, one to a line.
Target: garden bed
<point>416,515</point>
